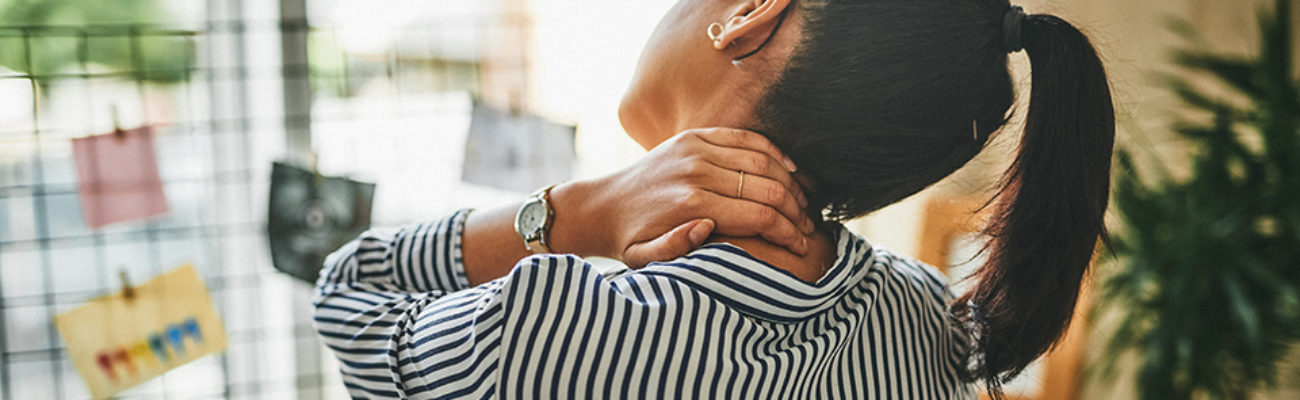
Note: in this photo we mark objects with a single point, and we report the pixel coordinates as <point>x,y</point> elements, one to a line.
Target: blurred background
<point>385,92</point>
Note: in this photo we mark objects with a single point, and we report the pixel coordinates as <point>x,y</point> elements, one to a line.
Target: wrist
<point>576,228</point>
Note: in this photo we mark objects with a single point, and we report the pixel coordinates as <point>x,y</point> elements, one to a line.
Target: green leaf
<point>1237,73</point>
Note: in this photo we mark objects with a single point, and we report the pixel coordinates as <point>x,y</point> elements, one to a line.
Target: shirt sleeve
<point>418,258</point>
<point>373,291</point>
<point>395,309</point>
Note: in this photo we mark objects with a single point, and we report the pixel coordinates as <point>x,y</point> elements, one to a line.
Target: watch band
<point>538,241</point>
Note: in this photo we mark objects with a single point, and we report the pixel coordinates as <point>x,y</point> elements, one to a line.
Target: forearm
<point>491,247</point>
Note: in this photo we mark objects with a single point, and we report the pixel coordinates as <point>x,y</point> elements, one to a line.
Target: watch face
<point>531,217</point>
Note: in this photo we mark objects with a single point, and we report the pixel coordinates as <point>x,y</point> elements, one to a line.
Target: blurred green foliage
<point>1210,277</point>
<point>48,38</point>
<point>329,65</point>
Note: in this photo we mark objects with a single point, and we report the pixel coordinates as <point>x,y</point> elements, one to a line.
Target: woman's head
<point>685,79</point>
<point>878,99</point>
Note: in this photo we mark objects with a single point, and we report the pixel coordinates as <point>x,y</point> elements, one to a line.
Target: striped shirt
<point>396,308</point>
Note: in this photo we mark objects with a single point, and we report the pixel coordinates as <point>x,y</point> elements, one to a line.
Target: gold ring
<point>740,189</point>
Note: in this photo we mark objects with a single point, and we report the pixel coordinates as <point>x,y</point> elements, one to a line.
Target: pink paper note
<point>118,175</point>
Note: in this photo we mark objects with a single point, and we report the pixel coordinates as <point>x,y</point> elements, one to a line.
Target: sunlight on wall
<point>584,55</point>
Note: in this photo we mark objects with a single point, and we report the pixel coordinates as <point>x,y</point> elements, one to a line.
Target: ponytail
<point>1048,214</point>
<point>877,103</point>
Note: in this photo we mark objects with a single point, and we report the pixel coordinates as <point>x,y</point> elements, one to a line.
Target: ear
<point>753,18</point>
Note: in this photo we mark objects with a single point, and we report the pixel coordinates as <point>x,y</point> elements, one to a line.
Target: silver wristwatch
<point>533,222</point>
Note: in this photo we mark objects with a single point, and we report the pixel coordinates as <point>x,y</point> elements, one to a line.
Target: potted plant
<point>1209,266</point>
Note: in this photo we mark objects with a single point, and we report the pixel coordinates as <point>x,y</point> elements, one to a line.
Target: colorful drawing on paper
<point>159,348</point>
<point>118,177</point>
<point>120,340</point>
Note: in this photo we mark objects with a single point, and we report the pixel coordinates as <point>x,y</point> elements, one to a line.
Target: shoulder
<point>898,269</point>
<point>539,273</point>
<point>542,289</point>
<point>561,278</point>
<point>564,267</point>
<point>920,289</point>
<point>929,288</point>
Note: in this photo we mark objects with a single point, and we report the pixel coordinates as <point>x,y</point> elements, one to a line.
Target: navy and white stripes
<point>717,323</point>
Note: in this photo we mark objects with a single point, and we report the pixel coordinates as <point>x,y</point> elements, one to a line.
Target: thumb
<point>675,243</point>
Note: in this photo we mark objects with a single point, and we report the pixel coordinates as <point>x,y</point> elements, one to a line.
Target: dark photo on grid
<point>310,215</point>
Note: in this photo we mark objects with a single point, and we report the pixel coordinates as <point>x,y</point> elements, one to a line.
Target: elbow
<point>334,272</point>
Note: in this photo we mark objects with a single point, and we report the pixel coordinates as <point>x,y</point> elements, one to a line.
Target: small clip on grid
<point>117,124</point>
<point>128,291</point>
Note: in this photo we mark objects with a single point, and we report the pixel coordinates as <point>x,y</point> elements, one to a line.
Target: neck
<point>719,108</point>
<point>711,98</point>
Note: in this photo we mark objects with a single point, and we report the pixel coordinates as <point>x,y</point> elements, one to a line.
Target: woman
<point>743,283</point>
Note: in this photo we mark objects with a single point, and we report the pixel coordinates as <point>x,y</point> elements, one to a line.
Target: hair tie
<point>1011,29</point>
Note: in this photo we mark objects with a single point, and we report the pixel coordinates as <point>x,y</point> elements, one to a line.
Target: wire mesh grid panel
<point>51,261</point>
<point>219,95</point>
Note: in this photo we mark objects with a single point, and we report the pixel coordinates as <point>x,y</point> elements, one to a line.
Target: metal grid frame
<point>151,234</point>
<point>224,134</point>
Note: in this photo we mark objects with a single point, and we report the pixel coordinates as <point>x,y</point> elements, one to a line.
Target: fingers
<point>760,189</point>
<point>739,217</point>
<point>769,203</point>
<point>744,139</point>
<point>742,150</point>
<point>755,164</point>
<point>675,243</point>
<point>720,173</point>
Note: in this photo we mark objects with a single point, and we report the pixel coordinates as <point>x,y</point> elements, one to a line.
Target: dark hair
<point>883,98</point>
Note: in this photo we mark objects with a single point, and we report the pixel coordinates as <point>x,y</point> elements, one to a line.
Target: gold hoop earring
<point>714,36</point>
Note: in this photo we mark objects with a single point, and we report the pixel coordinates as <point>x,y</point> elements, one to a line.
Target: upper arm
<point>411,345</point>
<point>431,345</point>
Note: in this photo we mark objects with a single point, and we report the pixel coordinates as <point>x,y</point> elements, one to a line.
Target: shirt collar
<point>754,287</point>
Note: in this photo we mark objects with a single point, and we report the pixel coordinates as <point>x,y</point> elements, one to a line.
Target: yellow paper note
<point>117,342</point>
